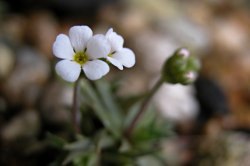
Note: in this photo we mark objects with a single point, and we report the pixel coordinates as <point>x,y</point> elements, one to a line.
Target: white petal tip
<point>62,47</point>
<point>126,57</point>
<point>68,70</point>
<point>95,69</point>
<point>98,47</point>
<point>115,62</point>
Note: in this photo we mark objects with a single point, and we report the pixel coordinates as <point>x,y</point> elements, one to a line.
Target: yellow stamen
<point>110,54</point>
<point>80,57</point>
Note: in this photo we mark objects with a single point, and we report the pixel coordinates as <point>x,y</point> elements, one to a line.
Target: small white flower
<point>81,50</point>
<point>118,55</point>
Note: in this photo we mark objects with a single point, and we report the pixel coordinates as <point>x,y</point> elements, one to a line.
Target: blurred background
<point>211,118</point>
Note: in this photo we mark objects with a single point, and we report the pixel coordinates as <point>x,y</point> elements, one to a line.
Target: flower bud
<point>181,68</point>
<point>183,52</point>
<point>189,78</point>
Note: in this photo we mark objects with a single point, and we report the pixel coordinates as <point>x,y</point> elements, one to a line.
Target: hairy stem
<point>142,108</point>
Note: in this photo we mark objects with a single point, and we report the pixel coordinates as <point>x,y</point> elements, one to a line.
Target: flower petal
<point>95,69</point>
<point>62,47</point>
<point>125,56</point>
<point>115,40</point>
<point>98,47</point>
<point>79,35</point>
<point>68,70</point>
<point>115,63</point>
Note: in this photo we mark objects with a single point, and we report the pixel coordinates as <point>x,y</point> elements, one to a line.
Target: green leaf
<point>93,160</point>
<point>149,160</point>
<point>104,140</point>
<point>55,140</point>
<point>112,109</point>
<point>94,101</point>
<point>80,145</point>
<point>88,159</point>
<point>151,128</point>
<point>73,157</point>
<point>132,111</point>
<point>78,151</point>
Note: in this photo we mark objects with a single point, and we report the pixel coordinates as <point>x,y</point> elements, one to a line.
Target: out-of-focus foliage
<point>104,121</point>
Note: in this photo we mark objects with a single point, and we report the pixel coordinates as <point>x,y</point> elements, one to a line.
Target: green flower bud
<point>181,68</point>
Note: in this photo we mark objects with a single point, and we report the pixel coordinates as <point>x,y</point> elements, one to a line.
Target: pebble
<point>42,29</point>
<point>230,36</point>
<point>32,70</point>
<point>25,125</point>
<point>153,50</point>
<point>57,103</point>
<point>7,61</point>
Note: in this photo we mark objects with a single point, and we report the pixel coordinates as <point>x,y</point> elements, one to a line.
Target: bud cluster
<point>181,68</point>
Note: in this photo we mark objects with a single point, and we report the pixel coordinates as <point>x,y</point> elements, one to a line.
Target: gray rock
<point>187,33</point>
<point>3,104</point>
<point>25,125</point>
<point>6,61</point>
<point>42,29</point>
<point>13,29</point>
<point>30,74</point>
<point>57,103</point>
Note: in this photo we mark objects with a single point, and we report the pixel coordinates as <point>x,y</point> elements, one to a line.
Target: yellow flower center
<point>80,57</point>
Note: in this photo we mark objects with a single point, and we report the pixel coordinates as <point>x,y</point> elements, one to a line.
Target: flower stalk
<point>76,117</point>
<point>180,68</point>
<point>142,109</point>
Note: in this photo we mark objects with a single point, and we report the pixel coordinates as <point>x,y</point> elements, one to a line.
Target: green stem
<point>76,117</point>
<point>142,108</point>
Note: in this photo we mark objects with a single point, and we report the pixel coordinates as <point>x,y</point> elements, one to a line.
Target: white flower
<point>81,50</point>
<point>118,55</point>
